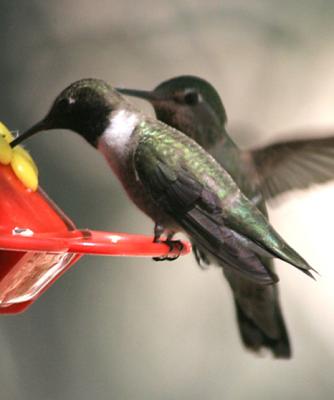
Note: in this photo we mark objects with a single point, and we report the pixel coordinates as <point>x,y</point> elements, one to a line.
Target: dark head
<point>189,104</point>
<point>83,107</point>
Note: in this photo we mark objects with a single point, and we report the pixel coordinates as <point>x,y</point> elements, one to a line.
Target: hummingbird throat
<point>114,141</point>
<point>118,133</point>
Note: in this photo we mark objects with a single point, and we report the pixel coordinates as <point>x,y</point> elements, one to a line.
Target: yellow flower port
<point>20,160</point>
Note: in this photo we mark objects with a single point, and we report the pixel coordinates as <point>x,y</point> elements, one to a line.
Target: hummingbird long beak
<point>40,126</point>
<point>142,94</point>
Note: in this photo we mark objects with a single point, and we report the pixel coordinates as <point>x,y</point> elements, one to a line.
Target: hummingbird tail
<point>255,339</point>
<point>260,319</point>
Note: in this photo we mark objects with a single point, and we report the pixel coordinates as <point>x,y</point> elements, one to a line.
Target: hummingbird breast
<point>123,166</point>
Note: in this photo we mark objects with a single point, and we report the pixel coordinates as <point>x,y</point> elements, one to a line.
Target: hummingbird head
<point>83,107</point>
<point>189,104</point>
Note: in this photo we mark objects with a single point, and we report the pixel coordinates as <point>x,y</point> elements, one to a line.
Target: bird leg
<point>201,258</point>
<point>158,232</point>
<point>173,244</point>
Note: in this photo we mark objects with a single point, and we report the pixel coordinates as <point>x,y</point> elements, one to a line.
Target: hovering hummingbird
<point>174,181</point>
<point>192,105</point>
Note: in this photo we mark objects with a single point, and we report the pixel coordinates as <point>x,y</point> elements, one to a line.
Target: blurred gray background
<point>115,328</point>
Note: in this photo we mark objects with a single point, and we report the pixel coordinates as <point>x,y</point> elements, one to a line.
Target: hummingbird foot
<point>174,245</point>
<point>201,258</point>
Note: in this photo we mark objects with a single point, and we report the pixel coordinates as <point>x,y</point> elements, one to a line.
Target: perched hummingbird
<point>193,106</point>
<point>176,183</point>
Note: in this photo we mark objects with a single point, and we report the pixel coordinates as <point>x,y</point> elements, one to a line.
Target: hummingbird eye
<point>191,97</point>
<point>62,103</point>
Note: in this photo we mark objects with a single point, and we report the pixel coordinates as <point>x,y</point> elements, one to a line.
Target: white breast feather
<point>118,133</point>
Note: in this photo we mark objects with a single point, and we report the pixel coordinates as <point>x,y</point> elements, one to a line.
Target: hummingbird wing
<point>294,164</point>
<point>198,211</point>
<point>191,187</point>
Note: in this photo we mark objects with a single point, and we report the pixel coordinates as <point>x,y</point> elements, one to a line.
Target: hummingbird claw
<point>201,258</point>
<point>173,245</point>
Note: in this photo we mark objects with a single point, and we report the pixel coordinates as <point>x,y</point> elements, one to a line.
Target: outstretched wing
<point>198,211</point>
<point>295,164</point>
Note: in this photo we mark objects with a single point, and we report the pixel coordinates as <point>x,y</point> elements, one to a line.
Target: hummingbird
<point>193,106</point>
<point>174,181</point>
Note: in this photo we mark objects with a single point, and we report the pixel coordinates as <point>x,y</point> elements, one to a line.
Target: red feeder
<point>38,243</point>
